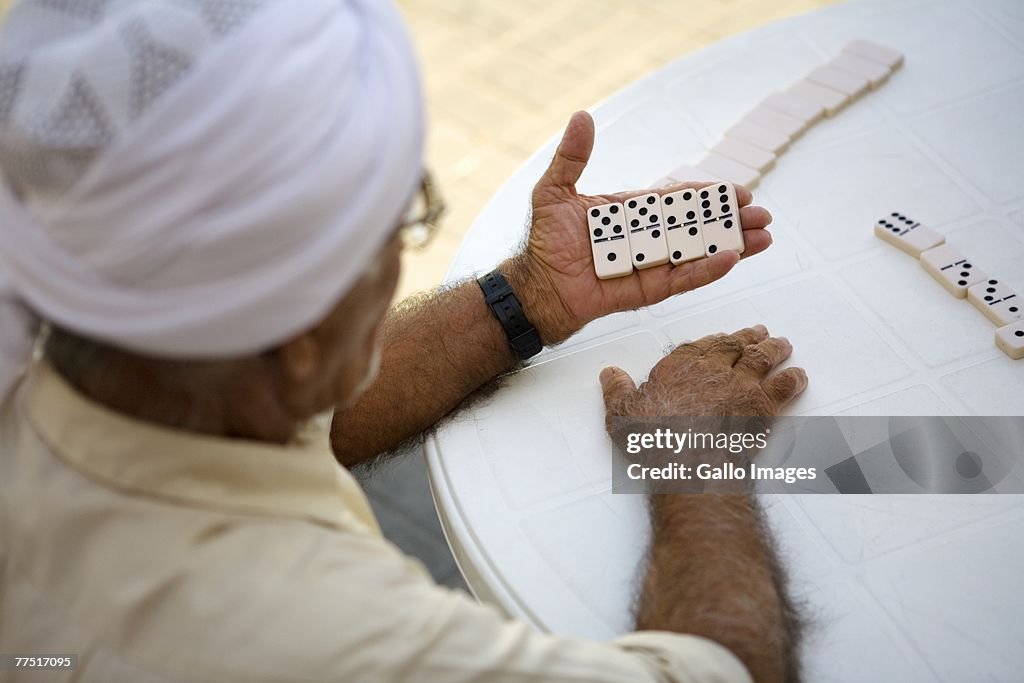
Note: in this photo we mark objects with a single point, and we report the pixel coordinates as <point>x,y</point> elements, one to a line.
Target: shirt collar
<point>299,480</point>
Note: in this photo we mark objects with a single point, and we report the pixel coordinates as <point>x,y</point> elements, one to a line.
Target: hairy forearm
<point>713,573</point>
<point>437,349</point>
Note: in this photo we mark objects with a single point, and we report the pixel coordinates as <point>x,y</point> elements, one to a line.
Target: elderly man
<point>201,215</point>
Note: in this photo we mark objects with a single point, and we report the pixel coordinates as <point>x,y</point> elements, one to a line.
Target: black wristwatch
<point>522,335</point>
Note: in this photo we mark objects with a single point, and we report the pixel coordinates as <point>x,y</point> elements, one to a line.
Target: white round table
<point>899,588</point>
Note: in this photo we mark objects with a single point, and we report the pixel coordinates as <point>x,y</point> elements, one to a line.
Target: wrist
<point>540,300</point>
<point>672,509</point>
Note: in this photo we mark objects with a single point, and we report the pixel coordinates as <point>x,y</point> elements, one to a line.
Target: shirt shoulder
<point>282,603</point>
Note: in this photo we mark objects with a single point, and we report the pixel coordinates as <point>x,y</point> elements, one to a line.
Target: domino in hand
<point>998,302</point>
<point>1011,339</point>
<point>608,241</point>
<point>646,231</point>
<point>953,270</point>
<point>907,234</point>
<point>720,219</point>
<point>682,226</point>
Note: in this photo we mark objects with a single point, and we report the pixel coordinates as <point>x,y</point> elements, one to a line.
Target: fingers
<point>752,335</point>
<point>755,217</point>
<point>617,387</point>
<point>743,195</point>
<point>727,348</point>
<point>755,238</point>
<point>572,154</point>
<point>784,386</point>
<point>690,276</point>
<point>755,241</point>
<point>761,358</point>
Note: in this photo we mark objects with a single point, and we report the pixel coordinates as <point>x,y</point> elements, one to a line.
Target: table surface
<point>909,588</point>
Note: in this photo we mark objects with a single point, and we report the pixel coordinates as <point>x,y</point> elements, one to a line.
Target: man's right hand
<point>722,374</point>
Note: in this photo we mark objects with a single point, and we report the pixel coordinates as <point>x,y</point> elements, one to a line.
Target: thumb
<point>572,154</point>
<point>616,385</point>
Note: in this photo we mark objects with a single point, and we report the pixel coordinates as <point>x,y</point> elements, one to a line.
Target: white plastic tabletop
<point>900,588</point>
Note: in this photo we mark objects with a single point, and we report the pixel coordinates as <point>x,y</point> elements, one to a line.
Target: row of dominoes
<point>653,229</point>
<point>751,147</point>
<point>961,277</point>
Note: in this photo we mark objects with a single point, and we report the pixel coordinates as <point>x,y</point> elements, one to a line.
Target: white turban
<point>197,178</point>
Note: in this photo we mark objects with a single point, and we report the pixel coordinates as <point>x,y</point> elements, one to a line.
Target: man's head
<point>262,396</point>
<point>206,194</point>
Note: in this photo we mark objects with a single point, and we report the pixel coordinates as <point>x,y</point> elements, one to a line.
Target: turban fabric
<point>197,178</point>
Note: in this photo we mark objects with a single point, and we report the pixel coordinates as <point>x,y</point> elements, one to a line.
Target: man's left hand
<point>555,274</point>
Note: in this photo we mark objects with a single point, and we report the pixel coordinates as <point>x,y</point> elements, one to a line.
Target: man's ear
<point>300,359</point>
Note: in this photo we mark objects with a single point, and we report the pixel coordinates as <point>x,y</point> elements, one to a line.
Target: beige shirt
<point>159,555</point>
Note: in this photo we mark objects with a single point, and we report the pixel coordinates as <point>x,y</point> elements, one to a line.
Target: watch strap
<point>522,335</point>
